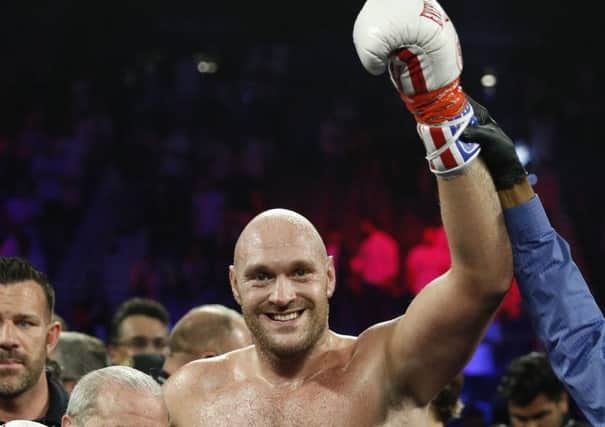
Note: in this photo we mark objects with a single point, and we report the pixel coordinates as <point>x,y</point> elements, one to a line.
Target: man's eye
<point>24,323</point>
<point>261,276</point>
<point>300,272</point>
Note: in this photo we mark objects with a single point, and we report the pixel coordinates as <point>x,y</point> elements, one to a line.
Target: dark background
<point>545,55</point>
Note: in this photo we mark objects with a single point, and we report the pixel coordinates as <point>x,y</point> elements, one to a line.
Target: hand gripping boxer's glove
<point>497,149</point>
<point>417,42</point>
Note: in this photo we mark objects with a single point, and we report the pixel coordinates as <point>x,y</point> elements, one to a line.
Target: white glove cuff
<point>447,155</point>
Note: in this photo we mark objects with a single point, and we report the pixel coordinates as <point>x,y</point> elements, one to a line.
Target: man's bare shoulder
<point>377,333</point>
<point>210,373</point>
<point>361,350</point>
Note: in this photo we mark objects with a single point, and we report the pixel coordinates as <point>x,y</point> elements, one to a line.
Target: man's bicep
<point>437,336</point>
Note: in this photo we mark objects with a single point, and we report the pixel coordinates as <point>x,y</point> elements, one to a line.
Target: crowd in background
<point>137,183</point>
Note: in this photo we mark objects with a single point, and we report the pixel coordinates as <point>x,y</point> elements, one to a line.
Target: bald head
<point>277,228</point>
<point>209,330</point>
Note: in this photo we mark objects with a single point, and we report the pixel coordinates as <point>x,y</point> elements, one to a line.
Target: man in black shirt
<point>27,335</point>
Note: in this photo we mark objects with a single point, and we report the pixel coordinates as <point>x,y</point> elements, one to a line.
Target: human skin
<point>26,336</point>
<point>300,372</point>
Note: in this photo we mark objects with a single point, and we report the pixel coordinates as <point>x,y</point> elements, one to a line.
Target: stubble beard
<point>13,384</point>
<point>275,347</point>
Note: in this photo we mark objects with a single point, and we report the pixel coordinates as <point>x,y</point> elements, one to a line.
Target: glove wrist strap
<point>447,154</point>
<point>436,106</point>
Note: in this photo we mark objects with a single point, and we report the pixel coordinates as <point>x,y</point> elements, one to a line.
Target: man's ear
<point>233,282</point>
<point>52,336</point>
<point>66,421</point>
<point>331,274</point>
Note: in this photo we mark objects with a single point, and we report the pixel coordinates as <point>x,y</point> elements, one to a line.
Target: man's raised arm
<point>416,42</point>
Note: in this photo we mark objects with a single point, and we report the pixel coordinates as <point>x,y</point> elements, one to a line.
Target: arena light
<point>207,67</point>
<point>489,80</point>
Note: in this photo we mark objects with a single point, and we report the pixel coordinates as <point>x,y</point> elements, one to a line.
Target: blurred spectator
<point>428,259</point>
<point>78,354</point>
<point>204,331</point>
<point>534,395</point>
<point>342,301</point>
<point>375,269</point>
<point>139,325</point>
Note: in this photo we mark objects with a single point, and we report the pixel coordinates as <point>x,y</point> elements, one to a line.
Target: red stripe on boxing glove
<point>418,44</point>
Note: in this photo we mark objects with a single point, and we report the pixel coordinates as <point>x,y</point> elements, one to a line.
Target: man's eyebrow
<point>255,268</point>
<point>291,265</point>
<point>535,415</point>
<point>27,316</point>
<point>301,263</point>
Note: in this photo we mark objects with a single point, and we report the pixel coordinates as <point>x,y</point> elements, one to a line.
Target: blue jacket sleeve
<point>563,312</point>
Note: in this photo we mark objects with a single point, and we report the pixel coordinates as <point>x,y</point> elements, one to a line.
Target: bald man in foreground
<point>299,372</point>
<point>204,331</point>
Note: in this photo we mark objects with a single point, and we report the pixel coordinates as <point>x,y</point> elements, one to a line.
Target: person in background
<point>534,395</point>
<point>375,273</point>
<point>78,354</point>
<point>116,396</point>
<point>139,325</point>
<point>27,336</point>
<point>204,331</point>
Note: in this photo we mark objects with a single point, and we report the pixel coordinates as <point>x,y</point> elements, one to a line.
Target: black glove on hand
<point>497,149</point>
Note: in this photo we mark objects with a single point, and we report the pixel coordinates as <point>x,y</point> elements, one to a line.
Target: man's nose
<point>283,291</point>
<point>8,336</point>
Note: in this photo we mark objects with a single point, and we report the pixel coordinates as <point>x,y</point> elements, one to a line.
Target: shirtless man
<point>299,372</point>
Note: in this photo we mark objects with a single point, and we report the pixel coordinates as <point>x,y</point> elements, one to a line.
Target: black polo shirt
<point>57,404</point>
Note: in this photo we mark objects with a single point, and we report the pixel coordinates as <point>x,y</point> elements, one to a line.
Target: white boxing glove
<point>418,44</point>
<point>417,35</point>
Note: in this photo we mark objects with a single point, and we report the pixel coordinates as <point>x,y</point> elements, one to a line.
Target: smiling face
<point>283,279</point>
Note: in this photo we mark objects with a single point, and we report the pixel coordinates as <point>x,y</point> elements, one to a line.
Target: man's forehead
<point>141,324</point>
<point>257,247</point>
<point>539,407</point>
<point>26,297</point>
<point>275,232</point>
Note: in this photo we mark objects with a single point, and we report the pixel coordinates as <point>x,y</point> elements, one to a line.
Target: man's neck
<point>295,369</point>
<point>30,405</point>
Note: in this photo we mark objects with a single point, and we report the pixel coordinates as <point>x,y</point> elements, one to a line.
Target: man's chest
<point>313,404</point>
